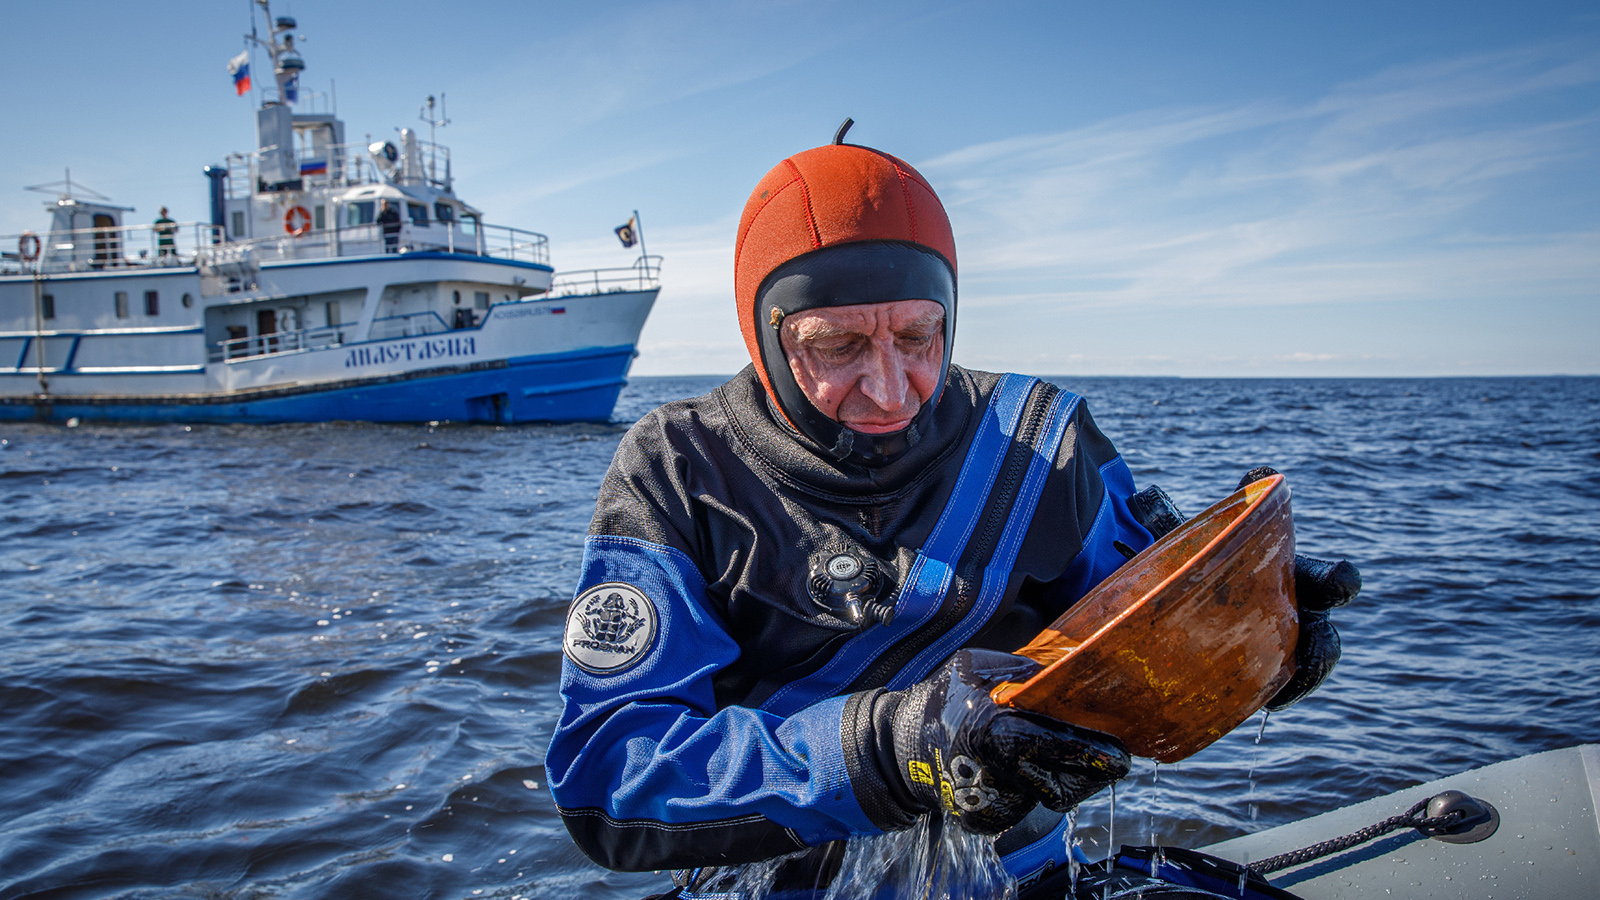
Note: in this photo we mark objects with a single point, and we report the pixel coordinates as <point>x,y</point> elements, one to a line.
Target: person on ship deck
<point>389,221</point>
<point>166,234</point>
<point>796,587</point>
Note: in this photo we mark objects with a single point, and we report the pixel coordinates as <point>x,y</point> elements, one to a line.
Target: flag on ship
<point>239,68</point>
<point>627,233</point>
<point>314,167</point>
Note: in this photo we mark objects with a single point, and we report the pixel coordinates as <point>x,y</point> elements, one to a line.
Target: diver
<point>797,588</point>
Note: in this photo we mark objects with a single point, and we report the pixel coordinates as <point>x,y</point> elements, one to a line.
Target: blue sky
<point>1136,188</point>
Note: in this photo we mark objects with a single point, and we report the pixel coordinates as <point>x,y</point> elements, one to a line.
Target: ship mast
<point>426,114</point>
<point>279,44</point>
<point>278,169</point>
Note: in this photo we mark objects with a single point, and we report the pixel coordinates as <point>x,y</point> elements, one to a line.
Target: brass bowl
<point>1184,642</point>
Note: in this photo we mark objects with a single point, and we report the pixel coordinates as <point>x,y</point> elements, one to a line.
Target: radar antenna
<point>64,189</point>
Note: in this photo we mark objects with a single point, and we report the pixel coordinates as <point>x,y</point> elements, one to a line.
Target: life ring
<point>290,217</point>
<point>28,246</point>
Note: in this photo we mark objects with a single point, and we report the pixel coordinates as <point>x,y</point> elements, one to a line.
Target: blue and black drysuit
<point>732,722</point>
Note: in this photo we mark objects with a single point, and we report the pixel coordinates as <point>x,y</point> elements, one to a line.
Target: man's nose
<point>884,382</point>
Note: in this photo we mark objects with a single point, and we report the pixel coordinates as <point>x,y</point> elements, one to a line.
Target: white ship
<point>334,281</point>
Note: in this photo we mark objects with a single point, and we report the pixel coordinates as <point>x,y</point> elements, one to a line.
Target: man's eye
<point>837,350</point>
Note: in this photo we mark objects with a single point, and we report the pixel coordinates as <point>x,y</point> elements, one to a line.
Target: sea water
<point>933,859</point>
<point>310,661</point>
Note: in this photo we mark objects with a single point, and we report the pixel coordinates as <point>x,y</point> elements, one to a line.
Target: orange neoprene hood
<point>858,226</point>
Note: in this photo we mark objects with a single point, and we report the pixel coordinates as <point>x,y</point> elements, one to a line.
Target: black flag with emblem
<point>625,233</point>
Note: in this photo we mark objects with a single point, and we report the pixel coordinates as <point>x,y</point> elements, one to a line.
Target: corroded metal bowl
<point>1184,642</point>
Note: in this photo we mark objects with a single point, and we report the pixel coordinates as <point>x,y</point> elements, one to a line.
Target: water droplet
<point>1111,824</point>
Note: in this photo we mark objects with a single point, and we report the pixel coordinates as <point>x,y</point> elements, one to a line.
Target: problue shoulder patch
<point>609,628</point>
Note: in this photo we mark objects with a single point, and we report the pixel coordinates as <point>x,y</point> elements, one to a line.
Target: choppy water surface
<point>319,661</point>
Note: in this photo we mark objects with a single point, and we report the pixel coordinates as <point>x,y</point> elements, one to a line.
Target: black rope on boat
<point>1413,818</point>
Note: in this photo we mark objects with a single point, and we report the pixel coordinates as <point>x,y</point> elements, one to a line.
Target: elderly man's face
<point>867,367</point>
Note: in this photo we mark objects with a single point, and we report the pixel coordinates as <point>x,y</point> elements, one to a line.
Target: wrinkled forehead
<point>864,319</point>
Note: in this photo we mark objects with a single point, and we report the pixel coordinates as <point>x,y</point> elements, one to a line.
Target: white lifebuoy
<point>28,246</point>
<point>290,217</point>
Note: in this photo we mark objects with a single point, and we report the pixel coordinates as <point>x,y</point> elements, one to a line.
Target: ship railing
<point>109,248</point>
<point>468,236</point>
<point>339,166</point>
<point>414,324</point>
<point>278,342</point>
<point>407,325</point>
<point>643,275</point>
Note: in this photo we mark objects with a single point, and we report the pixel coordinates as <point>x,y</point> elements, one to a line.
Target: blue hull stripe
<point>929,576</point>
<point>580,386</point>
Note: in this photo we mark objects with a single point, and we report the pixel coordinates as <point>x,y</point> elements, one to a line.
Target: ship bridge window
<point>361,212</point>
<point>444,212</point>
<point>417,213</point>
<point>469,224</point>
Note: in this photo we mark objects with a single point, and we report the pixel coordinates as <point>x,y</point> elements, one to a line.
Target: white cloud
<point>1370,193</point>
<point>1222,240</point>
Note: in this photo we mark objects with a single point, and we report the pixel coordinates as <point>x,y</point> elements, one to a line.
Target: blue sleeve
<point>1112,522</point>
<point>647,772</point>
<point>1099,556</point>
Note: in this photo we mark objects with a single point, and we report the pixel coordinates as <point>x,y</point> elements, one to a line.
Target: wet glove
<point>986,765</point>
<point>1319,586</point>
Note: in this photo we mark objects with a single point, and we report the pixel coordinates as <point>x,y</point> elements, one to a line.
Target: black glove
<point>987,765</point>
<point>1319,586</point>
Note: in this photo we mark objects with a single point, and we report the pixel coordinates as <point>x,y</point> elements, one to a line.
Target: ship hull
<point>579,386</point>
<point>531,358</point>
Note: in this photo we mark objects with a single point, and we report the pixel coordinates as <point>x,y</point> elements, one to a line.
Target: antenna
<point>57,188</point>
<point>279,44</point>
<point>425,113</point>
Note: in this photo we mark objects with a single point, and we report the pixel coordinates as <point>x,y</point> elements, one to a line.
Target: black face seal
<point>850,275</point>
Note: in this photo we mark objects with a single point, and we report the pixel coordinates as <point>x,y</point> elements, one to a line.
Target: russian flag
<point>558,310</point>
<point>239,68</point>
<point>314,167</point>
